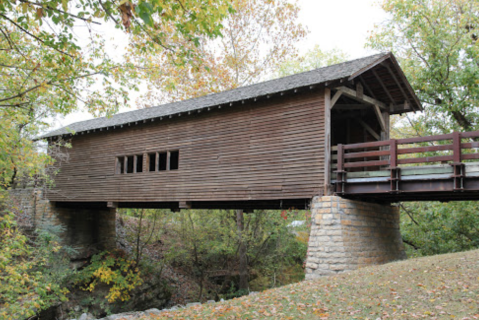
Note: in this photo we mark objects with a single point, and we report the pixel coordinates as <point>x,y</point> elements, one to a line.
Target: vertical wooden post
<point>157,161</point>
<point>458,166</point>
<point>125,168</point>
<point>456,147</point>
<point>393,153</point>
<point>340,173</point>
<point>135,163</point>
<point>395,174</point>
<point>146,162</point>
<point>327,141</point>
<point>385,134</point>
<point>117,166</point>
<point>167,160</point>
<point>340,158</point>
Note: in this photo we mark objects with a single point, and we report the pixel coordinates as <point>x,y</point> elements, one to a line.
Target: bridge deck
<point>400,170</point>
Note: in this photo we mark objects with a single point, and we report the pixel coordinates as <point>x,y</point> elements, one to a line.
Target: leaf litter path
<point>438,287</point>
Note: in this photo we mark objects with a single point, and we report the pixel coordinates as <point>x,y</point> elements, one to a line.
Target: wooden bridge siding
<point>260,151</point>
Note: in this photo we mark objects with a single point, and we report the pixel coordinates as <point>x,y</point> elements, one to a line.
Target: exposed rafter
<point>365,84</point>
<point>365,99</point>
<point>407,84</point>
<point>383,85</point>
<point>397,81</point>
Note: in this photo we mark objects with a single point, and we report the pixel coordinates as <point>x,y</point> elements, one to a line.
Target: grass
<point>438,287</point>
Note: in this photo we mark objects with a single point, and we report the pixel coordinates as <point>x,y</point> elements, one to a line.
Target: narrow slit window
<point>139,163</point>
<point>174,160</point>
<point>152,162</point>
<point>162,158</point>
<point>130,164</point>
<point>120,165</point>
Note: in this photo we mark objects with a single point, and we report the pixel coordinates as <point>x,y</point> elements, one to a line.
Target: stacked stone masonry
<point>84,229</point>
<point>347,235</point>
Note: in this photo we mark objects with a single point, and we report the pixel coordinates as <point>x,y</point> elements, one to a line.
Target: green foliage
<point>258,36</point>
<point>33,273</point>
<point>206,242</point>
<point>435,228</point>
<point>313,59</point>
<point>53,61</point>
<point>436,43</point>
<point>113,269</point>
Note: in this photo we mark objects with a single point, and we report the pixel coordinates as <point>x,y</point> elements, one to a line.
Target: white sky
<point>342,24</point>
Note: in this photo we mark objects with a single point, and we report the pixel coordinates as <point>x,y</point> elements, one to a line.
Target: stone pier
<point>87,230</point>
<point>347,235</point>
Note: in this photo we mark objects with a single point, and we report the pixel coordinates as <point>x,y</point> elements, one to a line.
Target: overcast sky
<point>342,24</point>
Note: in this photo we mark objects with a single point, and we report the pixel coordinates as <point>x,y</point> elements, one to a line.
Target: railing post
<point>340,173</point>
<point>457,165</point>
<point>456,147</point>
<point>395,173</point>
<point>393,153</point>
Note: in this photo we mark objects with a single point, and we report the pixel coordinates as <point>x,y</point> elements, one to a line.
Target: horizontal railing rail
<point>391,154</point>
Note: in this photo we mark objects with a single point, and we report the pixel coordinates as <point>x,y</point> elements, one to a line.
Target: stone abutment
<point>347,235</point>
<point>86,230</point>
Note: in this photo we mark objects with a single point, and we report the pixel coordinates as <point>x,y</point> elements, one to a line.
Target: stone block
<point>311,265</point>
<point>326,204</point>
<point>327,216</point>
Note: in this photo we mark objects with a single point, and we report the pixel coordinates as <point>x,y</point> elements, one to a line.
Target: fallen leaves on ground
<point>438,287</point>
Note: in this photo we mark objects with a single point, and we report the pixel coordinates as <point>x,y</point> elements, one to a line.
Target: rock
<point>152,311</point>
<point>191,304</point>
<point>210,301</point>
<point>125,316</point>
<point>87,316</point>
<point>222,300</point>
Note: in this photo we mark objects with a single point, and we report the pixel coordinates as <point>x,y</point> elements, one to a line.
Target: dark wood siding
<point>266,150</point>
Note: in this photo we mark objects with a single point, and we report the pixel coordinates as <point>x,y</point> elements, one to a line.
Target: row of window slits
<point>157,161</point>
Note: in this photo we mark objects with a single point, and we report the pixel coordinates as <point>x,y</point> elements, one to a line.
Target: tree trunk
<point>243,259</point>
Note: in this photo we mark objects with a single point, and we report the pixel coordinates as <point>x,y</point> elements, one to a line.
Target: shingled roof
<point>314,77</point>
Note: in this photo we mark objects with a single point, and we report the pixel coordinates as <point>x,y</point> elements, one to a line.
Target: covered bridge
<point>266,145</point>
<point>317,140</point>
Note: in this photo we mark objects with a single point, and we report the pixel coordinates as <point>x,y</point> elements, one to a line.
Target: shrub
<point>113,269</point>
<point>33,272</point>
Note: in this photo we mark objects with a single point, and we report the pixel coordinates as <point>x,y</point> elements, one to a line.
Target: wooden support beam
<point>380,118</point>
<point>366,99</point>
<point>387,132</point>
<point>359,90</point>
<point>383,86</point>
<point>184,205</point>
<point>351,106</point>
<point>327,141</point>
<point>335,98</point>
<point>111,204</point>
<point>369,129</point>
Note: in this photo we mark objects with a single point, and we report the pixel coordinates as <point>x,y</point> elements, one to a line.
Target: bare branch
<point>61,11</point>
<point>14,105</point>
<point>33,36</point>
<point>52,81</point>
